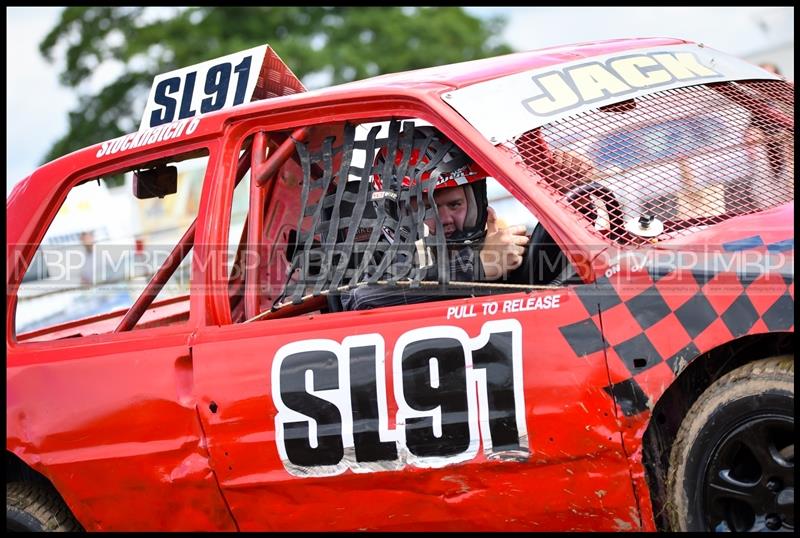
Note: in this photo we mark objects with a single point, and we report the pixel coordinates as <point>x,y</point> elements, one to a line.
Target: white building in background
<point>781,55</point>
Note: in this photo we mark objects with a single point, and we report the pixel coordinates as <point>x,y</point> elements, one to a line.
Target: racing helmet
<point>437,161</point>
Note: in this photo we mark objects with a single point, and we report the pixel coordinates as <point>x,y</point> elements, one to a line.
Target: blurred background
<point>78,76</point>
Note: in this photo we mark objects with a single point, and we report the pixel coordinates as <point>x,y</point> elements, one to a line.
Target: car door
<point>479,413</point>
<point>473,413</point>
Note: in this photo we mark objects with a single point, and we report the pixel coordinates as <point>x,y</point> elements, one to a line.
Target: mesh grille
<point>682,158</point>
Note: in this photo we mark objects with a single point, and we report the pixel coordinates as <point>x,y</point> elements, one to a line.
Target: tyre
<point>36,507</point>
<point>732,464</point>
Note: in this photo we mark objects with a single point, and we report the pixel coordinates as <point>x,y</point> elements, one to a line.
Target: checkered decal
<point>654,328</point>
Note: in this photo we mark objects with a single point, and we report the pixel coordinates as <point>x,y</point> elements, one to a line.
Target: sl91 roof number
<point>202,88</point>
<point>215,90</point>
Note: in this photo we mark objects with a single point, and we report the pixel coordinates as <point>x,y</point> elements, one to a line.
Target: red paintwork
<point>572,431</point>
<point>122,423</point>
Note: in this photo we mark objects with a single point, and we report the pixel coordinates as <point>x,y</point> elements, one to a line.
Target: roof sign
<point>506,107</point>
<point>224,82</point>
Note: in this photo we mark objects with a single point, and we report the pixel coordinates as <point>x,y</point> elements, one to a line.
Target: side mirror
<point>156,182</point>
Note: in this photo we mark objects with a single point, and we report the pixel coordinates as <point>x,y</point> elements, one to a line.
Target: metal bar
<point>264,169</point>
<point>255,229</point>
<point>161,277</point>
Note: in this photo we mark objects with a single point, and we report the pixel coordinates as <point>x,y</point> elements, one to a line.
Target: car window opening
<point>371,231</point>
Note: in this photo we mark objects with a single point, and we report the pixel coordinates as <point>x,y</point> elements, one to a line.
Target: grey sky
<point>37,105</point>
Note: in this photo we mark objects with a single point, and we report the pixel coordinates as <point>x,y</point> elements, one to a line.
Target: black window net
<point>363,225</point>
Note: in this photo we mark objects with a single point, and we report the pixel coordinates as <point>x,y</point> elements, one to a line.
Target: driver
<point>502,248</point>
<point>480,248</point>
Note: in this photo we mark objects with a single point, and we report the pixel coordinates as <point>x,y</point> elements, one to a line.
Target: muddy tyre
<point>35,507</point>
<point>732,463</point>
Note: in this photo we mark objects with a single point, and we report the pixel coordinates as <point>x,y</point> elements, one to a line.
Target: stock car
<point>635,373</point>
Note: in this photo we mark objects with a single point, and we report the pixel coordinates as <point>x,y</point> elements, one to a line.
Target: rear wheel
<point>35,507</point>
<point>732,463</point>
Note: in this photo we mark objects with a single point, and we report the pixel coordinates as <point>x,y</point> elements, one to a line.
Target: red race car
<point>551,290</point>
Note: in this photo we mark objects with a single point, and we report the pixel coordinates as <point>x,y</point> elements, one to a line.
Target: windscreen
<point>671,162</point>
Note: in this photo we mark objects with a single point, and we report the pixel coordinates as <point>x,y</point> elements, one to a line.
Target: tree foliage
<point>336,44</point>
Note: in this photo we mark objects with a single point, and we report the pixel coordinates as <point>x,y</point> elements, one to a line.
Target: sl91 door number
<point>452,394</point>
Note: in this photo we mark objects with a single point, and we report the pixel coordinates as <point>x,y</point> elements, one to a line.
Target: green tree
<point>339,44</point>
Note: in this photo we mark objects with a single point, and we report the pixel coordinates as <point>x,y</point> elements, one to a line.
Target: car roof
<point>458,75</point>
<point>432,79</point>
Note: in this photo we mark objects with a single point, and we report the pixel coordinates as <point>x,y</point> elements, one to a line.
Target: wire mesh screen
<point>662,165</point>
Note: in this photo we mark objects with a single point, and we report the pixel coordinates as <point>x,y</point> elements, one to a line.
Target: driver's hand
<point>503,249</point>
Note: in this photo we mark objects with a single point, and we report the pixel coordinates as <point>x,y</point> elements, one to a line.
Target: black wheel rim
<point>749,482</point>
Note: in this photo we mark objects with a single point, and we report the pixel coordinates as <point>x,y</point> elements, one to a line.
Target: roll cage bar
<point>254,159</point>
